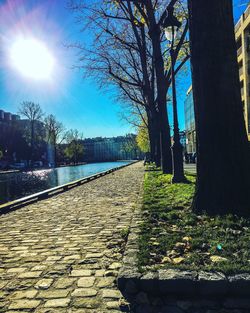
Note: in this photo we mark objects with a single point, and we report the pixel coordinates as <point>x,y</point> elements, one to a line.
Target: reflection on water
<point>14,186</point>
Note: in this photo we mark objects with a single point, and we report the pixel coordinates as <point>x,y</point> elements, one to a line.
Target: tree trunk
<point>177,150</point>
<point>165,141</point>
<point>151,135</point>
<point>154,135</point>
<point>157,156</point>
<point>222,147</point>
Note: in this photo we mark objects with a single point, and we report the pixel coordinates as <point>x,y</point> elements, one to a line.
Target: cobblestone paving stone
<point>62,254</point>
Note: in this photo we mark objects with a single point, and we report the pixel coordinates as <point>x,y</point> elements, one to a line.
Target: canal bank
<point>16,204</point>
<point>19,185</point>
<point>64,253</point>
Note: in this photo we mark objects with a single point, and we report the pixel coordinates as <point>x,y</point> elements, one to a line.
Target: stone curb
<point>179,283</point>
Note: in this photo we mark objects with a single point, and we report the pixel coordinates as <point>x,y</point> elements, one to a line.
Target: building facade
<point>15,140</point>
<point>242,35</point>
<point>7,117</point>
<point>110,149</point>
<point>190,122</point>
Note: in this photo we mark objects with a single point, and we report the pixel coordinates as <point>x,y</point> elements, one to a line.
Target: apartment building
<point>242,34</point>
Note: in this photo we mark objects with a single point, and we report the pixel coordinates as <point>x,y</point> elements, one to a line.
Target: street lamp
<point>171,25</point>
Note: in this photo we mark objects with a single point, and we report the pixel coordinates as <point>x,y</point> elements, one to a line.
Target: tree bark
<point>222,147</point>
<point>151,136</point>
<point>154,136</point>
<point>165,140</point>
<point>157,149</point>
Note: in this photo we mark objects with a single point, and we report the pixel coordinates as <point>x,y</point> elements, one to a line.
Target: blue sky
<point>76,102</point>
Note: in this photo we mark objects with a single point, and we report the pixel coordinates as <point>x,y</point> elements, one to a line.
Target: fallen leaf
<point>186,238</point>
<point>180,245</point>
<point>155,243</point>
<point>166,259</point>
<point>174,228</point>
<point>178,260</point>
<point>217,259</point>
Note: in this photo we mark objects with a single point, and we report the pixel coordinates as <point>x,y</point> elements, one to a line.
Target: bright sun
<point>32,58</point>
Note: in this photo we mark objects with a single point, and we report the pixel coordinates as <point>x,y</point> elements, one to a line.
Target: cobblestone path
<point>62,254</point>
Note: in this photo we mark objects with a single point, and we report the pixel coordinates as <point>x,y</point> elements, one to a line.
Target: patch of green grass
<point>151,167</point>
<point>172,236</point>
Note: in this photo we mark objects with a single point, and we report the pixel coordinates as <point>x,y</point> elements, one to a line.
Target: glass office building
<point>190,122</point>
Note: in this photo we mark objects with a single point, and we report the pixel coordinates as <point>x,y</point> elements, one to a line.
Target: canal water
<point>18,185</point>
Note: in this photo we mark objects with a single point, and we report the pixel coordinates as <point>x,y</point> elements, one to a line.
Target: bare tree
<point>124,55</point>
<point>55,132</point>
<point>33,112</point>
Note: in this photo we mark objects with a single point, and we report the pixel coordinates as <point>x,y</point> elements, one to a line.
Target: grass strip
<point>172,236</point>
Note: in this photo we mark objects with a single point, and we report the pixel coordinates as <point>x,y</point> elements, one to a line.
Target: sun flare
<point>32,58</point>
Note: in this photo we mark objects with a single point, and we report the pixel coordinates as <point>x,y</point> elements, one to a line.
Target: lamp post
<point>171,25</point>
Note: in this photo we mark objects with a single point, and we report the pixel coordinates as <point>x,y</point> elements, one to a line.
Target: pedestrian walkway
<point>63,254</point>
<point>190,168</point>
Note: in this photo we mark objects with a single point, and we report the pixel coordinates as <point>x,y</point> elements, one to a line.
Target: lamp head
<point>171,20</point>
